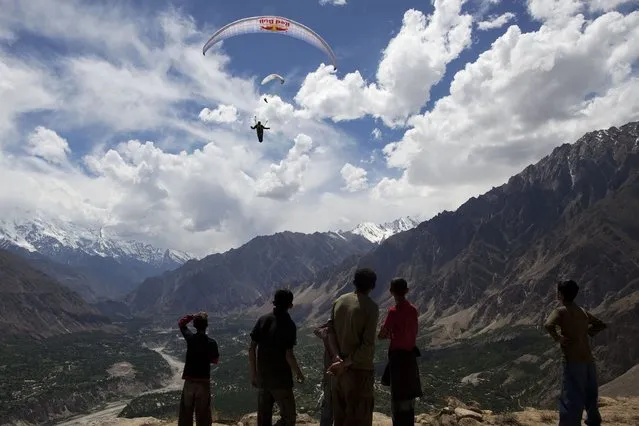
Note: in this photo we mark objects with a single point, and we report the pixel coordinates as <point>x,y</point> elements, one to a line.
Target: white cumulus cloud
<point>333,2</point>
<point>285,179</point>
<point>496,21</point>
<point>414,60</point>
<point>522,96</point>
<point>221,114</point>
<point>376,133</point>
<point>107,130</point>
<point>354,177</point>
<point>46,144</point>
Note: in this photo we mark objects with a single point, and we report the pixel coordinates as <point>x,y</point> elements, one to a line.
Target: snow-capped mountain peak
<point>376,233</point>
<point>53,237</point>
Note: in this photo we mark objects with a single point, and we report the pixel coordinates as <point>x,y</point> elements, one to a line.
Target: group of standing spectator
<point>349,338</point>
<point>349,350</point>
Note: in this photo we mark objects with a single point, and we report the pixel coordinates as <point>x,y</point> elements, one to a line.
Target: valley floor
<point>109,414</point>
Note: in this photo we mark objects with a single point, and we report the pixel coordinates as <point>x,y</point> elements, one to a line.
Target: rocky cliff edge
<point>618,411</point>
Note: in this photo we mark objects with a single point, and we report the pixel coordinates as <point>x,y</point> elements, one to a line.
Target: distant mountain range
<point>101,268</point>
<point>86,259</point>
<point>243,276</point>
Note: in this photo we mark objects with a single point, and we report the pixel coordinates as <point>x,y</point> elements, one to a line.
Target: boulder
<point>251,420</point>
<point>467,421</point>
<point>426,420</point>
<point>462,413</point>
<point>380,419</point>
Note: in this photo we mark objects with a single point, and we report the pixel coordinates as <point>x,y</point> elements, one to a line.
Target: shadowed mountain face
<point>32,303</point>
<point>240,277</point>
<point>496,260</point>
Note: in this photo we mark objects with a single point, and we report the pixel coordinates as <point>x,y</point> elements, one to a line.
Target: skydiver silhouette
<point>259,127</point>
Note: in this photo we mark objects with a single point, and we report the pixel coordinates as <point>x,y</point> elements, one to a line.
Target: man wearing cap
<point>201,351</point>
<point>272,362</point>
<point>402,371</point>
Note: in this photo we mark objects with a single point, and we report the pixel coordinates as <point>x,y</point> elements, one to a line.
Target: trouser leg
<point>571,401</point>
<point>265,403</point>
<point>403,412</point>
<point>591,401</point>
<point>202,398</point>
<point>186,405</point>
<point>338,401</point>
<point>357,390</point>
<point>285,400</point>
<point>326,418</point>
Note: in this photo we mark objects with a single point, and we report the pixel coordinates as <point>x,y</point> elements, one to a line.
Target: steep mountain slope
<point>241,276</point>
<point>32,303</point>
<point>377,233</point>
<point>495,261</point>
<point>66,275</point>
<point>109,266</point>
<point>625,385</point>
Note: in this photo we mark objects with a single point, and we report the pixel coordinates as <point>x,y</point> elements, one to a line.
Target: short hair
<point>283,298</point>
<point>201,321</point>
<point>568,290</point>
<point>399,286</point>
<point>365,279</point>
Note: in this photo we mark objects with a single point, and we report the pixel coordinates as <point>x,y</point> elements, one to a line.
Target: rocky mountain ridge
<point>239,277</point>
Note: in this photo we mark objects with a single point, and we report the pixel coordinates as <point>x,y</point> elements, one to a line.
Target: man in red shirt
<point>402,371</point>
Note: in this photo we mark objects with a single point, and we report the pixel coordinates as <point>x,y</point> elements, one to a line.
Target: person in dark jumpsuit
<point>259,127</point>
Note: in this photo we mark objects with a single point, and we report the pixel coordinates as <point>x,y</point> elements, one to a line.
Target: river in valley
<point>110,412</point>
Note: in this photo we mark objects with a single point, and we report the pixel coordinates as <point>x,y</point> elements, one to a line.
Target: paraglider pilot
<point>259,127</point>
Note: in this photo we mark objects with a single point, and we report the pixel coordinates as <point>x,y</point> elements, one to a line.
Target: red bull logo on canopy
<point>274,24</point>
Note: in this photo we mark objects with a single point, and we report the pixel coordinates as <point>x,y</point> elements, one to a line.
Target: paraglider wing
<point>273,25</point>
<point>272,77</point>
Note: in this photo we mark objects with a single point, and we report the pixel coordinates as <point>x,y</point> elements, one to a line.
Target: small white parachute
<point>272,77</point>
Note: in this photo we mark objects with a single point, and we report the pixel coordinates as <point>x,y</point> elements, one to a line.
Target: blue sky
<point>111,115</point>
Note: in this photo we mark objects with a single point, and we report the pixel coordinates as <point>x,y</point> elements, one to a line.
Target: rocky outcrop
<point>619,411</point>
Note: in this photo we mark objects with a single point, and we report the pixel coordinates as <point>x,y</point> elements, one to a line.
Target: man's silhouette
<point>259,127</point>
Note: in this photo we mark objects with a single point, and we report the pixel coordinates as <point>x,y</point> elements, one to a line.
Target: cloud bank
<point>126,128</point>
